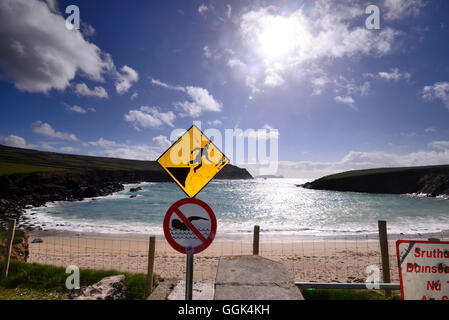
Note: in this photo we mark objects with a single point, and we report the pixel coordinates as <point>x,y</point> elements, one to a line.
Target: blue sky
<point>341,96</point>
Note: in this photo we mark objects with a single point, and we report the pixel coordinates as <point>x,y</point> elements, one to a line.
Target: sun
<point>278,38</point>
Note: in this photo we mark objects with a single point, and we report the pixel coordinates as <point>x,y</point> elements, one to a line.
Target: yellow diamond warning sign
<point>193,161</point>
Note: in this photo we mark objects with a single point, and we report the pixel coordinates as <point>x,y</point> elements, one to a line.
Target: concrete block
<point>200,291</point>
<point>253,278</point>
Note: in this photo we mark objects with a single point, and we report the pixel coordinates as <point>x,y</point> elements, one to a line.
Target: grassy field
<point>37,281</point>
<point>14,160</point>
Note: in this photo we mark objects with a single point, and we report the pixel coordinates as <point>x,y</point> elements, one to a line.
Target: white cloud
<point>266,133</point>
<point>233,63</point>
<point>102,143</point>
<point>125,79</point>
<point>162,142</point>
<point>348,100</point>
<point>14,141</point>
<point>430,129</point>
<point>202,9</point>
<point>134,95</point>
<point>393,75</point>
<point>214,123</point>
<point>439,90</point>
<point>77,109</point>
<point>138,152</point>
<point>355,161</point>
<point>442,145</point>
<point>201,100</point>
<point>39,53</point>
<point>159,83</point>
<point>52,5</point>
<point>318,84</point>
<point>87,30</point>
<point>284,43</point>
<point>149,117</point>
<point>83,90</point>
<point>398,9</point>
<point>206,52</point>
<point>273,79</point>
<point>45,129</point>
<point>351,87</point>
<point>81,110</point>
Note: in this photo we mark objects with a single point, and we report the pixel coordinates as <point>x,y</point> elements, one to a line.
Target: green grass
<point>4,236</point>
<point>340,294</point>
<point>38,281</point>
<point>19,161</point>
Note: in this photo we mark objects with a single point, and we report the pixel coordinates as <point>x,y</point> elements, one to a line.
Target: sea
<point>279,206</point>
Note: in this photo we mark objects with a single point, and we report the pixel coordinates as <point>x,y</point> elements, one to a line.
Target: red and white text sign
<point>190,225</point>
<point>423,269</point>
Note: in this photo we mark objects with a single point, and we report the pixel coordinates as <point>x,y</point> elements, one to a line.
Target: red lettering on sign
<point>434,285</point>
<point>435,253</point>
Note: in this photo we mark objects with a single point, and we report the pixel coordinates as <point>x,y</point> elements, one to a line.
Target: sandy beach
<point>319,260</point>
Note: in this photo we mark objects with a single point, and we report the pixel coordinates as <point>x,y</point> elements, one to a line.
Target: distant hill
<point>23,161</point>
<point>430,180</point>
<point>30,177</point>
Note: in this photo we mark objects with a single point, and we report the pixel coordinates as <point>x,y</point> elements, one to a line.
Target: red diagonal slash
<point>190,225</point>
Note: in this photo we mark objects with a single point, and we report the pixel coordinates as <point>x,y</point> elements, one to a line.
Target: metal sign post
<point>190,224</point>
<point>189,227</point>
<point>189,276</point>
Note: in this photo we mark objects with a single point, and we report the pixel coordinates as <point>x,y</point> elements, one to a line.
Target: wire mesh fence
<point>325,259</point>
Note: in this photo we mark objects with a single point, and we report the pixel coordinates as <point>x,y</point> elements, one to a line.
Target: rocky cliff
<point>432,181</point>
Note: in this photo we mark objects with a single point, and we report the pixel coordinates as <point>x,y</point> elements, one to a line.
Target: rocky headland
<point>432,181</point>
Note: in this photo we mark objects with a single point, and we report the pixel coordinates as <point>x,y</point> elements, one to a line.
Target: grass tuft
<point>49,281</point>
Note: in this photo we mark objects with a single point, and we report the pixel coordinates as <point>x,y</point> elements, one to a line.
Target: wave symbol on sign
<point>177,224</point>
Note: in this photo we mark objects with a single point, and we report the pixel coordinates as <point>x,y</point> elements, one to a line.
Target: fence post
<point>256,240</point>
<point>383,240</point>
<point>9,242</point>
<point>151,250</point>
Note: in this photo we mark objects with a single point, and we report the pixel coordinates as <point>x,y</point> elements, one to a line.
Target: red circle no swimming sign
<point>190,225</point>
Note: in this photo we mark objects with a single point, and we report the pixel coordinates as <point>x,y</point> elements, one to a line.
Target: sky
<point>332,94</point>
